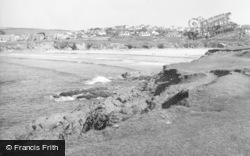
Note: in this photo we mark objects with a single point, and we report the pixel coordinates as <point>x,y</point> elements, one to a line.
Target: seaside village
<point>197,27</point>
<point>122,31</point>
<point>142,30</point>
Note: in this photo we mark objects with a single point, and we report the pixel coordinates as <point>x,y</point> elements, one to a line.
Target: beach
<point>109,103</point>
<point>28,79</point>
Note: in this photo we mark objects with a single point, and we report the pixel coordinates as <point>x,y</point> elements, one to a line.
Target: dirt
<point>197,108</point>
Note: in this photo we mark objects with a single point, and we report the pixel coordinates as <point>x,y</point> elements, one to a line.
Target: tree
<point>41,33</point>
<point>2,32</point>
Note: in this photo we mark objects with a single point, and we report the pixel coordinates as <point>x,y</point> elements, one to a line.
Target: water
<point>27,80</point>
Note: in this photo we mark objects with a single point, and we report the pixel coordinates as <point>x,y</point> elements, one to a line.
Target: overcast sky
<point>82,14</point>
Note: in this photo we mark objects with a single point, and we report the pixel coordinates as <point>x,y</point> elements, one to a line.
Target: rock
<point>131,74</point>
<point>221,45</point>
<point>47,123</point>
<point>177,99</point>
<point>220,73</point>
<point>97,120</point>
<point>166,78</point>
<point>136,74</point>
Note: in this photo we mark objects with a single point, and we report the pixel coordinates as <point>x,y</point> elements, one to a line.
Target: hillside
<point>25,31</point>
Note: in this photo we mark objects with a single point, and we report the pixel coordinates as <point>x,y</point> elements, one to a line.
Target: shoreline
<point>141,52</point>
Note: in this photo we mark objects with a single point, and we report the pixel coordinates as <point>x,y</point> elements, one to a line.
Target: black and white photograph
<point>125,77</point>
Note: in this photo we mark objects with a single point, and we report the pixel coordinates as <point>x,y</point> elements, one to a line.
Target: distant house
<point>155,33</point>
<point>60,36</point>
<point>173,34</point>
<point>132,32</point>
<point>101,33</point>
<point>246,29</point>
<point>144,33</point>
<point>124,33</point>
<point>84,36</point>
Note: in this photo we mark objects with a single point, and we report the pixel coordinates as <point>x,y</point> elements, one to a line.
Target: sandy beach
<point>29,78</point>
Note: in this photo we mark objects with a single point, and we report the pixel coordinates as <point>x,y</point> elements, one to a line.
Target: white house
<point>101,33</point>
<point>60,36</point>
<point>247,31</point>
<point>155,33</point>
<point>173,34</point>
<point>124,33</point>
<point>144,33</point>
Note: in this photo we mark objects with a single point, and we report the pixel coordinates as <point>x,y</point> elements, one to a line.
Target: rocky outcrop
<point>88,94</point>
<point>177,99</point>
<point>239,50</point>
<point>136,74</point>
<point>161,91</point>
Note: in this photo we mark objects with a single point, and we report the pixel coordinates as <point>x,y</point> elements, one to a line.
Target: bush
<point>2,32</point>
<point>160,46</point>
<point>145,46</point>
<point>89,45</point>
<point>129,46</point>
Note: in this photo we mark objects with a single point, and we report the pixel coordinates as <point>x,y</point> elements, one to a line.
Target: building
<point>101,33</point>
<point>144,33</point>
<point>60,36</point>
<point>173,34</point>
<point>155,33</point>
<point>124,33</point>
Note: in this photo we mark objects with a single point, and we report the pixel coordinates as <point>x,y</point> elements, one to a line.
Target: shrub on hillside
<point>145,46</point>
<point>129,46</point>
<point>2,32</point>
<point>88,46</point>
<point>64,45</point>
<point>160,46</point>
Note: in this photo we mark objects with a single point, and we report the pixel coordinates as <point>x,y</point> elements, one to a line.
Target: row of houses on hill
<point>123,30</point>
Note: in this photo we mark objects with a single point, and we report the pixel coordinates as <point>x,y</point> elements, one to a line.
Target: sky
<point>83,14</point>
